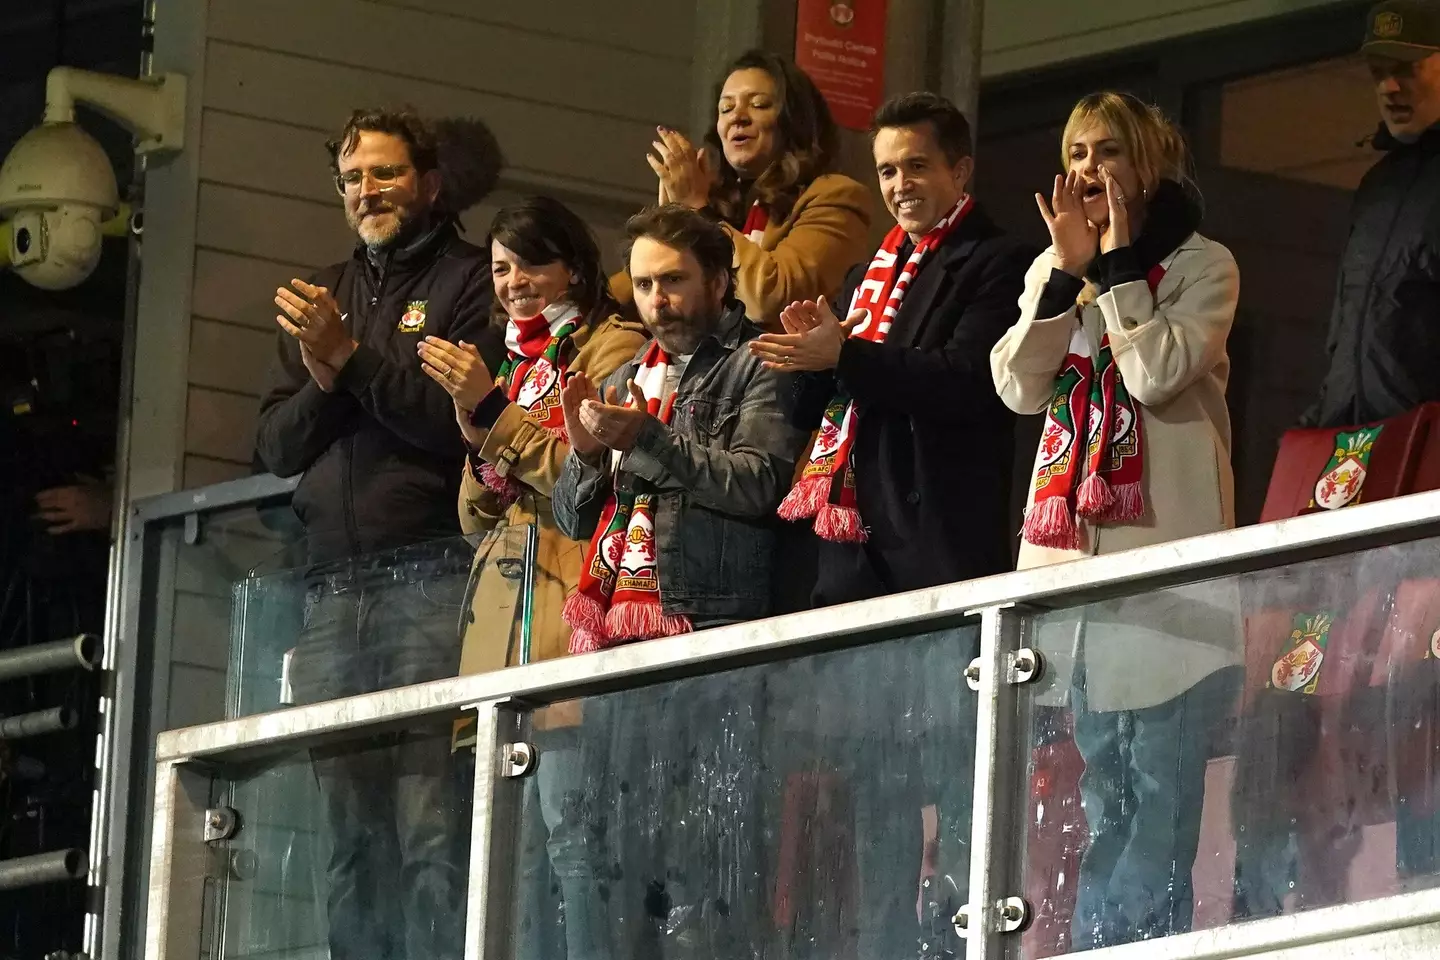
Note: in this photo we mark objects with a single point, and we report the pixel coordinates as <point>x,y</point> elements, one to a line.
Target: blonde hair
<point>1154,145</point>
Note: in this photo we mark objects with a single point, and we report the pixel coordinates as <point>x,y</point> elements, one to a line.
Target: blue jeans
<point>559,836</point>
<point>396,805</point>
<point>1142,789</point>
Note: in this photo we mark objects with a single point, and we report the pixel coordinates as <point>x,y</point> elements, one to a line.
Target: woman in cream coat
<point>1129,286</point>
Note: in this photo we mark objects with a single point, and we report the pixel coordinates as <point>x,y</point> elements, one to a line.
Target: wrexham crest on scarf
<point>1057,443</point>
<point>1344,475</point>
<point>1298,669</point>
<point>413,319</point>
<point>540,393</point>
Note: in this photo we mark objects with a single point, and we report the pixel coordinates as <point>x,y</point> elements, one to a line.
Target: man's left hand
<point>312,316</point>
<point>812,339</point>
<point>611,422</point>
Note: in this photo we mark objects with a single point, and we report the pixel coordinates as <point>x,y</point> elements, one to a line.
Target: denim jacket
<point>720,469</point>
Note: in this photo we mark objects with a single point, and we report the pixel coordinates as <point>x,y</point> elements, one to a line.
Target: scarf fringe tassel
<point>593,628</point>
<point>840,524</point>
<point>504,487</point>
<point>1049,524</point>
<point>806,499</point>
<point>587,623</point>
<point>1095,497</point>
<point>810,498</point>
<point>640,620</point>
<point>1127,504</point>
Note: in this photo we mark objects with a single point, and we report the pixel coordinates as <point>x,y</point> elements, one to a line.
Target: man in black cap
<point>1384,338</point>
<point>1384,346</point>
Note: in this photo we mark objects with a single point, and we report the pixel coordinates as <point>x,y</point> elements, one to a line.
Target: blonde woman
<point>1121,344</point>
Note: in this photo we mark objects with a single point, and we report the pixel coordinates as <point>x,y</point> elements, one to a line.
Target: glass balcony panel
<point>1248,747</point>
<point>306,633</point>
<point>817,808</point>
<point>357,849</point>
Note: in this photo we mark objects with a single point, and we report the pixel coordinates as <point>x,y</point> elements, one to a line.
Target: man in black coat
<point>1384,340</point>
<point>380,458</point>
<point>1384,347</point>
<point>932,443</point>
<point>907,487</point>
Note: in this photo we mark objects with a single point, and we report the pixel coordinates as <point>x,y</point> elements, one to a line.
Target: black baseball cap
<point>1403,29</point>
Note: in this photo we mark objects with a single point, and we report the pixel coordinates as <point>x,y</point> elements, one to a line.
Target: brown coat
<point>802,257</point>
<point>519,447</point>
<point>1170,349</point>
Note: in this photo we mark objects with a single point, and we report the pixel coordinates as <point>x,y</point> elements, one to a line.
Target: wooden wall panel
<point>234,220</point>
<point>220,425</point>
<point>229,357</point>
<point>240,289</point>
<point>572,88</point>
<point>628,25</point>
<point>528,66</point>
<point>546,140</point>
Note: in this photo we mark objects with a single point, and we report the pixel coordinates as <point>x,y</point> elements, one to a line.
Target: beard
<point>679,334</point>
<point>381,224</point>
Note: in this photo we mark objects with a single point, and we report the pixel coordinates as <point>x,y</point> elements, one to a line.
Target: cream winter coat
<point>1170,349</point>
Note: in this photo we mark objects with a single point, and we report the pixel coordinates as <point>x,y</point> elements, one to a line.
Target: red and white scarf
<point>618,598</point>
<point>756,220</point>
<point>1092,411</point>
<point>826,489</point>
<point>534,373</point>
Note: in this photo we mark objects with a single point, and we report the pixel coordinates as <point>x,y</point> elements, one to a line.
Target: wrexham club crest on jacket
<point>413,319</point>
<point>1298,668</point>
<point>1344,476</point>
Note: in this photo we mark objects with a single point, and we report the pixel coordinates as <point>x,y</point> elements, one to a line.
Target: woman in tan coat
<point>1121,344</point>
<point>766,175</point>
<point>559,318</point>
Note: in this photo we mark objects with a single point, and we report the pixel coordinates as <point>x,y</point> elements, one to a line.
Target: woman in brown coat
<point>766,174</point>
<point>559,318</point>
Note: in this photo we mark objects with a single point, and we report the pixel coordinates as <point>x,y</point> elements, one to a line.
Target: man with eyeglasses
<point>380,457</point>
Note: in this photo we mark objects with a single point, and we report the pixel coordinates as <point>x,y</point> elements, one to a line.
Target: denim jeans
<point>397,805</point>
<point>896,725</point>
<point>559,824</point>
<point>1142,789</point>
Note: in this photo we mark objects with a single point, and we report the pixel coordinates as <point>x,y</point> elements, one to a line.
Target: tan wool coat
<point>802,257</point>
<point>1170,350</point>
<point>520,448</point>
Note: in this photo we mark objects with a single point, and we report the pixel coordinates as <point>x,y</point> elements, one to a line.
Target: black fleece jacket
<point>381,456</point>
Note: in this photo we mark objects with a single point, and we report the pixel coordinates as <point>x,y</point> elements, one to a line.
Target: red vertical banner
<point>841,44</point>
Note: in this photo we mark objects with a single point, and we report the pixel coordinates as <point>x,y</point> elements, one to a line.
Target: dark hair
<point>808,140</point>
<point>680,228</point>
<point>951,129</point>
<point>541,231</point>
<point>402,122</point>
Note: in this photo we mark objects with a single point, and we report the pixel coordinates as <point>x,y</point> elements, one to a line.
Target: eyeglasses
<point>384,177</point>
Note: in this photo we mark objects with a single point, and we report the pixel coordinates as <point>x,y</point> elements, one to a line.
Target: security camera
<point>57,187</point>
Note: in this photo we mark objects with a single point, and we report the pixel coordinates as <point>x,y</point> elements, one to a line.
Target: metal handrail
<point>1136,571</point>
